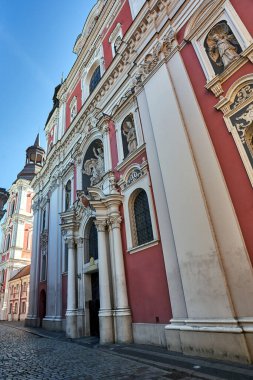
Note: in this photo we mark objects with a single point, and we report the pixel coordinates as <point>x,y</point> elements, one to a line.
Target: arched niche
<point>93,165</point>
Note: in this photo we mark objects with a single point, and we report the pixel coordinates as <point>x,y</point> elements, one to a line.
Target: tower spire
<point>37,140</point>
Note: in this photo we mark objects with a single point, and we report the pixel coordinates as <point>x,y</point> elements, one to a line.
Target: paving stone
<point>25,356</point>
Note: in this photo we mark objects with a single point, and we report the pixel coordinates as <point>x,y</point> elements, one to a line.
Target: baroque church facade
<point>143,208</point>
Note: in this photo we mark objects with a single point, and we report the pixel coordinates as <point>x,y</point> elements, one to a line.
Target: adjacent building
<point>18,299</point>
<point>143,208</point>
<point>17,226</point>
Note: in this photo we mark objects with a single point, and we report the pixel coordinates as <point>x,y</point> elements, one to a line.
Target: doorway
<point>94,305</point>
<point>42,307</point>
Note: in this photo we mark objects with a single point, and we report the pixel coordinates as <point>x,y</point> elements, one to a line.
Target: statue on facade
<point>94,167</point>
<point>222,45</point>
<point>128,130</point>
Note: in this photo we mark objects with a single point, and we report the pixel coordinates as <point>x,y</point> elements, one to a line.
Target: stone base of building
<point>123,326</point>
<point>52,324</point>
<point>149,333</point>
<point>219,342</point>
<point>32,322</point>
<point>71,324</point>
<point>106,327</point>
<point>80,321</point>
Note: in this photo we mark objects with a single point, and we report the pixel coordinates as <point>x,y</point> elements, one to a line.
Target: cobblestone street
<point>26,356</point>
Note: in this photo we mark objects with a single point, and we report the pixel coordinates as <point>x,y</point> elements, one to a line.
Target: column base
<point>52,323</point>
<point>123,326</point>
<point>32,321</point>
<point>80,320</point>
<point>106,330</point>
<point>218,339</point>
<point>71,324</point>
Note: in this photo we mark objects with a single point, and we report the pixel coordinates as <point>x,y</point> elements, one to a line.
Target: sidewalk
<point>154,356</point>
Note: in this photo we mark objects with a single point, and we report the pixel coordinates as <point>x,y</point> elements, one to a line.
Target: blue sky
<point>36,42</point>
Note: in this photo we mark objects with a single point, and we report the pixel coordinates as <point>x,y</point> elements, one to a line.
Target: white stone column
<point>105,312</point>
<point>123,317</point>
<point>71,330</point>
<point>32,316</point>
<point>80,289</point>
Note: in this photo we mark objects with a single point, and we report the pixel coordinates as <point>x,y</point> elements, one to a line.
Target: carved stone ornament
<point>82,207</point>
<point>245,93</point>
<point>100,225</point>
<point>115,221</point>
<point>222,47</point>
<point>44,241</point>
<point>94,167</point>
<point>152,59</point>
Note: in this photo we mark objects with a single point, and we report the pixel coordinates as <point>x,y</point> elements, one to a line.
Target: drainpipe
<point>20,294</point>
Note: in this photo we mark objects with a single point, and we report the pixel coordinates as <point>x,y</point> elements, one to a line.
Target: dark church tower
<point>35,158</point>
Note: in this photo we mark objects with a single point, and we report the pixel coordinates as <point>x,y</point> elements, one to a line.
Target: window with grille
<point>95,79</point>
<point>93,242</point>
<point>142,217</point>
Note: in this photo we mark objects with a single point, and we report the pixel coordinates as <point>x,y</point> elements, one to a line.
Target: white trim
<point>143,246</point>
<point>142,183</point>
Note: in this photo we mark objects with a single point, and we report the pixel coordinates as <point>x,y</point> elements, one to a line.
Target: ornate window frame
<point>202,23</point>
<point>118,119</point>
<point>136,177</point>
<point>117,32</point>
<point>238,116</point>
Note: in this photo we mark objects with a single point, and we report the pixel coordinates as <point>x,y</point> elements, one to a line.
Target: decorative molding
<point>100,225</point>
<point>115,221</point>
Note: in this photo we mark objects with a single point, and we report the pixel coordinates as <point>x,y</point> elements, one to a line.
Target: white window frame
<point>117,32</point>
<point>118,124</point>
<point>142,183</point>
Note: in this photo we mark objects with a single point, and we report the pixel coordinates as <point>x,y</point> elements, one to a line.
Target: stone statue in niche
<point>94,167</point>
<point>222,47</point>
<point>128,130</point>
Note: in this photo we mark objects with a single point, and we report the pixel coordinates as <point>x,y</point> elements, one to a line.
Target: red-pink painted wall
<point>238,183</point>
<point>124,17</point>
<point>147,284</point>
<point>78,93</point>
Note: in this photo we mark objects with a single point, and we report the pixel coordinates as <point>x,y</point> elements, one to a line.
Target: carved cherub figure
<point>222,45</point>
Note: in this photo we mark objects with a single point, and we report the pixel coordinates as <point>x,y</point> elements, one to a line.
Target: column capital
<point>101,225</point>
<point>70,242</point>
<point>115,221</point>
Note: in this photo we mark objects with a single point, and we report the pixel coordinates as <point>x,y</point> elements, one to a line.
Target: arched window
<point>10,311</point>
<point>142,219</point>
<point>16,308</point>
<point>95,79</point>
<point>93,242</point>
<point>68,195</point>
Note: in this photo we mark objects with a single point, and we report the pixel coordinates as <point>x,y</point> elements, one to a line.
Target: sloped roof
<point>22,273</point>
